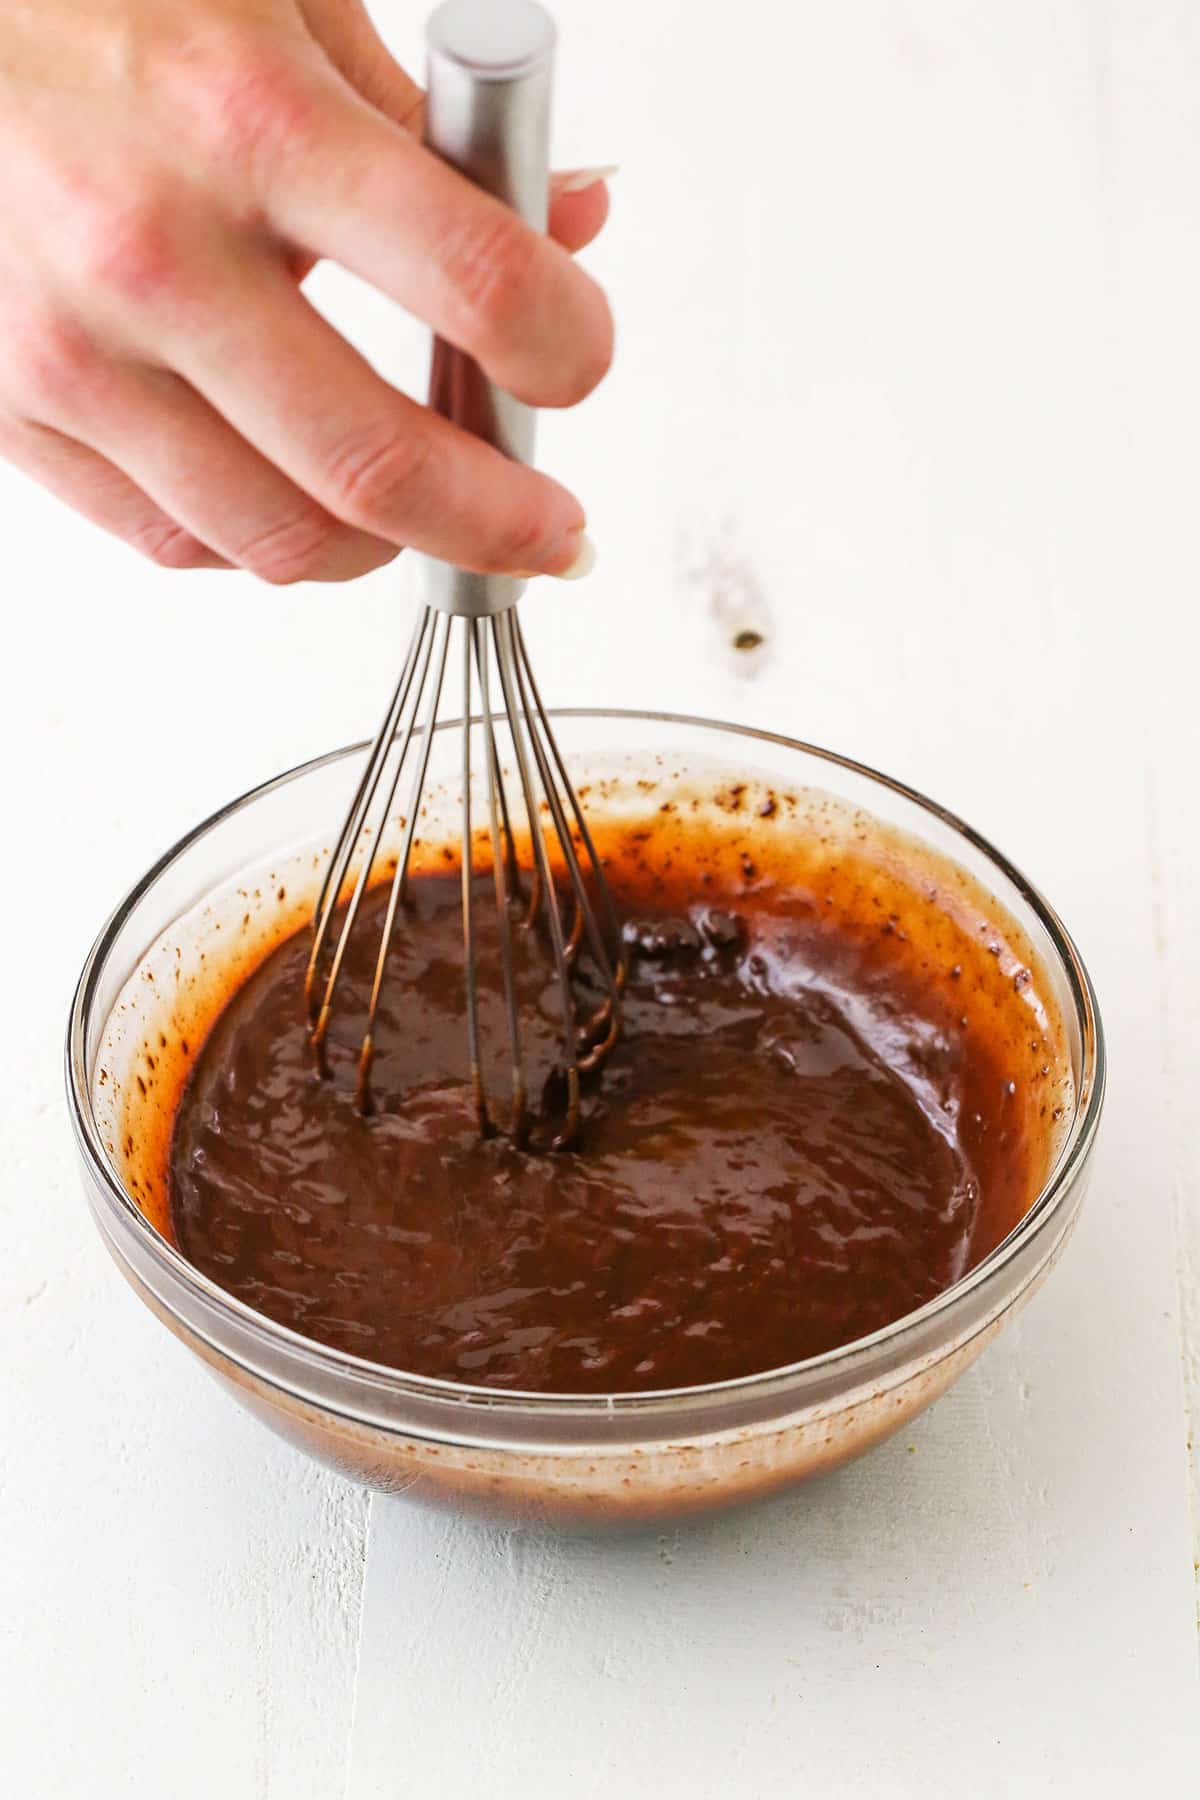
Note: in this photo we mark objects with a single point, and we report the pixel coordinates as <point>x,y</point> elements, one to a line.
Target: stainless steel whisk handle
<point>487,112</point>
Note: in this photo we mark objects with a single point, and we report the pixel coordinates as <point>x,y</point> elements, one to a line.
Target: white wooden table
<point>908,298</point>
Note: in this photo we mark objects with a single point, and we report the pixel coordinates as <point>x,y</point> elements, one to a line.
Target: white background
<point>907,298</point>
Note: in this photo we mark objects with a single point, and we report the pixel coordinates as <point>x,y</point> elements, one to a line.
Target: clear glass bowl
<point>593,1459</point>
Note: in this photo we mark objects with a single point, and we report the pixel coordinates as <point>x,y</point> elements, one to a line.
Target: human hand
<point>175,168</point>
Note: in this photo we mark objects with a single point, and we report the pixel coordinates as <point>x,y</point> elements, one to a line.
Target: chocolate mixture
<point>812,1123</point>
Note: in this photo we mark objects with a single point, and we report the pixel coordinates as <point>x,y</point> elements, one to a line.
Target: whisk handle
<point>487,112</point>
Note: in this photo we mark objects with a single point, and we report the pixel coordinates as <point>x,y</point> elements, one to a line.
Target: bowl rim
<point>762,1384</point>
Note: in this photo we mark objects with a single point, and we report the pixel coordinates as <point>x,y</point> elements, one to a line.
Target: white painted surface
<point>907,301</point>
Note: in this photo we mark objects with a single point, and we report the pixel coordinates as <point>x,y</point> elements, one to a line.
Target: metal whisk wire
<point>557,832</point>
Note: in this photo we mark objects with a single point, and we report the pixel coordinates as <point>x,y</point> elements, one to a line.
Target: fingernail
<point>584,562</point>
<point>581,564</point>
<point>577,181</point>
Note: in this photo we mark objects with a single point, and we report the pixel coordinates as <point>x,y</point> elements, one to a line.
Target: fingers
<point>578,212</point>
<point>578,206</point>
<point>347,35</point>
<point>171,443</point>
<point>177,388</point>
<point>353,186</point>
<point>345,31</point>
<point>104,495</point>
<point>287,383</point>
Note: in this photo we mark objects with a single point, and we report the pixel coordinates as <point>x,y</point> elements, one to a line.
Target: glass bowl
<point>627,1458</point>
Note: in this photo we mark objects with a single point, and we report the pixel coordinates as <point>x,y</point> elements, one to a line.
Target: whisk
<point>487,113</point>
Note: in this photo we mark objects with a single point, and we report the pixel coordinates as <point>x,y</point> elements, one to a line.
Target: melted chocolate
<point>786,1150</point>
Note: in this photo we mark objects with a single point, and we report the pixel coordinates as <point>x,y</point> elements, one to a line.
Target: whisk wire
<point>505,875</point>
<point>339,862</point>
<point>479,639</point>
<point>469,968</point>
<point>502,628</point>
<point>528,899</point>
<point>359,826</point>
<point>599,1034</point>
<point>614,974</point>
<point>441,637</point>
